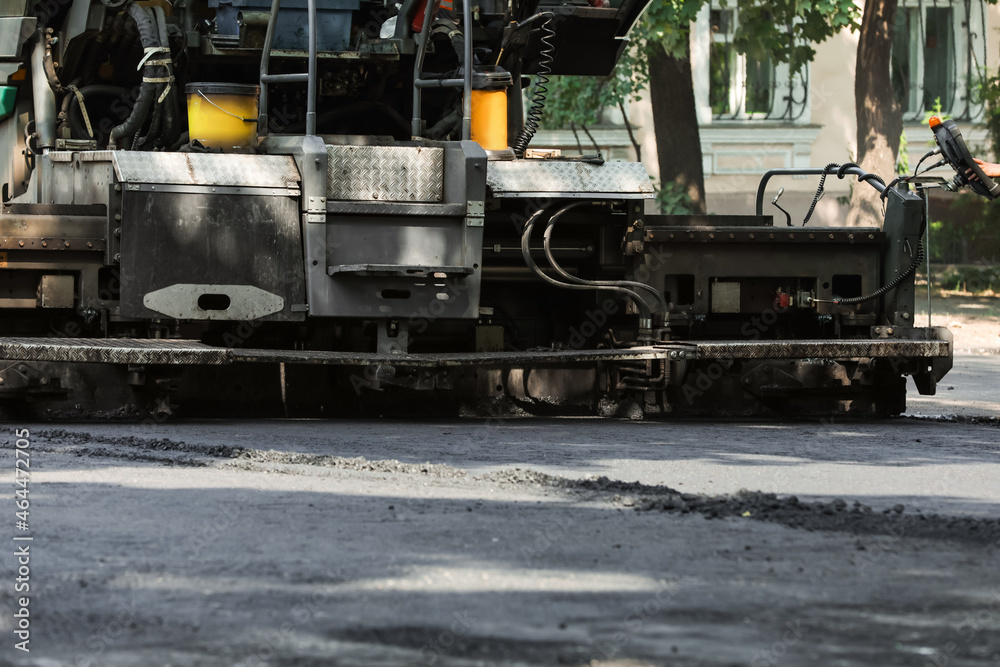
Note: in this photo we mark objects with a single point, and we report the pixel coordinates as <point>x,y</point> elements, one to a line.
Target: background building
<point>756,116</point>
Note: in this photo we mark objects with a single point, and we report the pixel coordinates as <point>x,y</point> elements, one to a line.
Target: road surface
<point>513,542</point>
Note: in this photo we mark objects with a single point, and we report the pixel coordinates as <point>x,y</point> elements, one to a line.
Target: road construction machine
<point>326,206</point>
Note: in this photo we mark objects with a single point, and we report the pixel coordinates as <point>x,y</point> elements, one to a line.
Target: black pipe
<point>630,285</point>
<point>645,316</point>
<point>852,169</point>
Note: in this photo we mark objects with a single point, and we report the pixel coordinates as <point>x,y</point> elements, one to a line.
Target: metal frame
<point>309,77</point>
<point>465,82</point>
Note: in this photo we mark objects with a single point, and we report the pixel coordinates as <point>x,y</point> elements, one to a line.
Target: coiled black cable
<point>545,58</point>
<point>819,191</point>
<point>841,171</point>
<point>895,282</point>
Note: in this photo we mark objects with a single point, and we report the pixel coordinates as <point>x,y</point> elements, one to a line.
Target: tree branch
<point>591,137</point>
<point>576,136</point>
<point>631,136</point>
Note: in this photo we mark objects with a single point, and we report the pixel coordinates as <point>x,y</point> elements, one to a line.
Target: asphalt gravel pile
<point>136,448</point>
<point>358,463</point>
<point>837,515</point>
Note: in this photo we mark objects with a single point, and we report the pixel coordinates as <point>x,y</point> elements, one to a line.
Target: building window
<point>938,51</point>
<point>746,88</point>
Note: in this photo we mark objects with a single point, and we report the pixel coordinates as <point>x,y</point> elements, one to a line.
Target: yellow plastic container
<point>223,115</point>
<point>489,119</point>
<point>489,108</point>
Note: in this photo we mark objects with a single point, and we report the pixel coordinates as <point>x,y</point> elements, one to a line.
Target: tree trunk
<point>880,120</point>
<point>675,122</point>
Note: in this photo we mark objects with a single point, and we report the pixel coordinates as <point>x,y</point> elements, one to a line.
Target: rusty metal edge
<point>824,349</point>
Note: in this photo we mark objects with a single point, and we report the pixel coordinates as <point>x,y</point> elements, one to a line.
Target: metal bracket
<point>23,381</point>
<point>475,213</point>
<point>316,210</point>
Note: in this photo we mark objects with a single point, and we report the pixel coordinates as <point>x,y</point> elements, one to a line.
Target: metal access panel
<point>715,270</point>
<point>75,177</point>
<point>211,253</point>
<point>403,234</point>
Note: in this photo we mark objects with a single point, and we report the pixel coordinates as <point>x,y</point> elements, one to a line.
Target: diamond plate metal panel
<point>550,176</point>
<point>385,173</point>
<point>112,351</point>
<point>226,170</point>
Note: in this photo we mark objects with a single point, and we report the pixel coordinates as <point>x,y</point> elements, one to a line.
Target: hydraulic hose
<point>75,118</point>
<point>62,118</point>
<point>48,65</point>
<point>170,107</point>
<point>155,125</point>
<point>545,58</point>
<point>147,91</point>
<point>627,284</point>
<point>645,316</point>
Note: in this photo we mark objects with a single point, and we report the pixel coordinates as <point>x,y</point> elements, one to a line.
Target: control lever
<point>774,202</point>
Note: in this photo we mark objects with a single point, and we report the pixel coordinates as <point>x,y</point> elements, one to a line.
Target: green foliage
<point>781,31</point>
<point>667,25</point>
<point>903,156</point>
<point>970,231</point>
<point>786,30</point>
<point>579,100</point>
<point>936,110</point>
<point>968,278</point>
<point>673,199</point>
<point>988,93</point>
